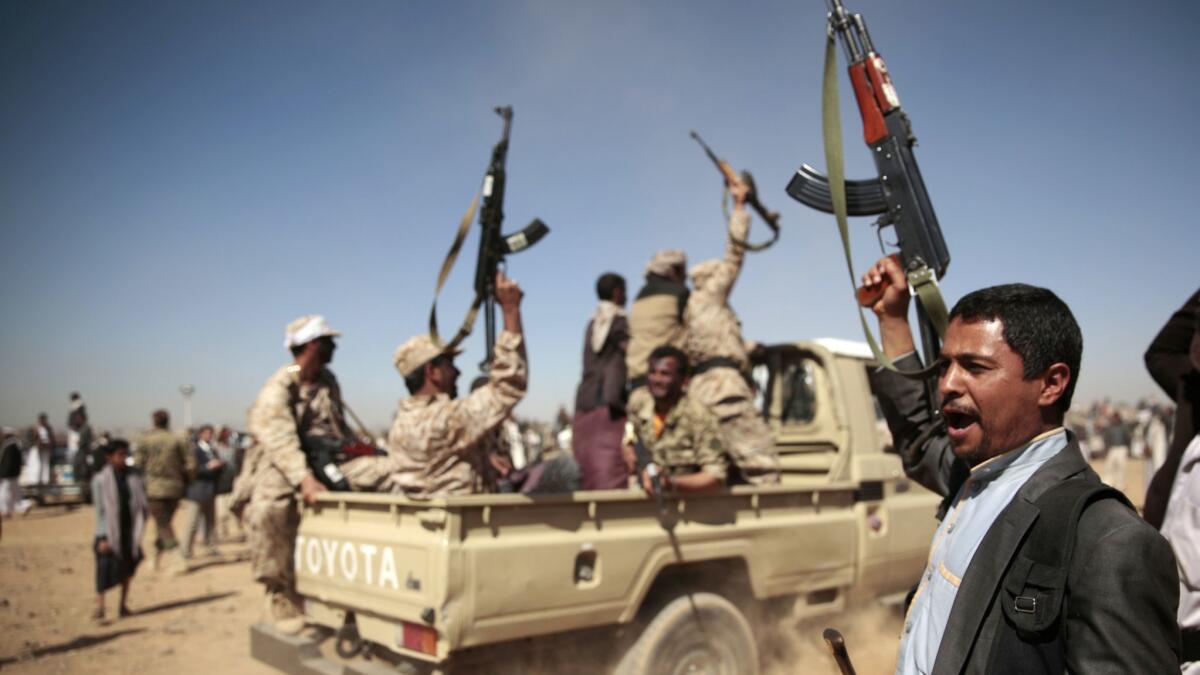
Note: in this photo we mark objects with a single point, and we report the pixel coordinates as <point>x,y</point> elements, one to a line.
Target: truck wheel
<point>694,634</point>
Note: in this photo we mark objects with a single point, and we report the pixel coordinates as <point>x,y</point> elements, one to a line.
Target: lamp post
<point>187,390</point>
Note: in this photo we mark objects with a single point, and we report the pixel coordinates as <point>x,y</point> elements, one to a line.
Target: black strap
<point>1033,595</point>
<point>715,362</point>
<point>1191,645</point>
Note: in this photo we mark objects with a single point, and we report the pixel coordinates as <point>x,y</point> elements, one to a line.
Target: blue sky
<point>179,180</point>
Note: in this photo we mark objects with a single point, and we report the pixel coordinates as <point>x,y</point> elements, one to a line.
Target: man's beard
<point>980,454</point>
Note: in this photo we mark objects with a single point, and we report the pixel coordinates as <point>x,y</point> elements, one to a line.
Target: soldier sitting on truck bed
<point>680,434</point>
<point>437,442</point>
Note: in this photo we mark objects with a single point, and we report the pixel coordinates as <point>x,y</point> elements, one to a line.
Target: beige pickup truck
<point>604,579</point>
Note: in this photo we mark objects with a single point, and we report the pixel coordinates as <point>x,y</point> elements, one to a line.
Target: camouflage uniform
<point>285,410</point>
<point>714,332</point>
<point>654,320</point>
<point>167,464</point>
<point>438,444</point>
<point>689,441</point>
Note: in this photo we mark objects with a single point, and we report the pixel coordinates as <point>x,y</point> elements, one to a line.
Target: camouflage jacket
<point>287,409</point>
<point>712,328</point>
<point>689,442</point>
<point>439,444</point>
<point>167,463</point>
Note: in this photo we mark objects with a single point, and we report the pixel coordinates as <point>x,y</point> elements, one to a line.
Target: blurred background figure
<point>230,450</point>
<point>200,498</point>
<point>121,507</point>
<point>79,428</point>
<point>10,473</point>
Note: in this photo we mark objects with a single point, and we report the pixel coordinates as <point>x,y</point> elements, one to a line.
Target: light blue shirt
<point>988,490</point>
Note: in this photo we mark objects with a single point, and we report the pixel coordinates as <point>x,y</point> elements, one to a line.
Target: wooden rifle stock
<point>837,646</point>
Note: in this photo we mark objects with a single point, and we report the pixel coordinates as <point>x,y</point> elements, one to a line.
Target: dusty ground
<point>198,623</point>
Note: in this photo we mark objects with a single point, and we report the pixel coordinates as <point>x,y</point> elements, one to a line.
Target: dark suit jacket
<point>1170,365</point>
<point>1122,587</point>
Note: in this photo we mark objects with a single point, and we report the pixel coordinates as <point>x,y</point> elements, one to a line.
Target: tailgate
<point>382,557</point>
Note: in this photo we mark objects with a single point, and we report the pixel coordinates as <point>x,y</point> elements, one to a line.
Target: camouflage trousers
<point>272,520</point>
<point>744,432</point>
<point>272,516</point>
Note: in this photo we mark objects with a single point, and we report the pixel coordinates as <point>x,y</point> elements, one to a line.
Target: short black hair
<point>415,380</point>
<point>161,418</point>
<point>607,285</point>
<point>1038,326</point>
<point>115,445</point>
<point>665,351</point>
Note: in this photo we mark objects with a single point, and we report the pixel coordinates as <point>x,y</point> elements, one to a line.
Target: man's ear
<point>1054,384</point>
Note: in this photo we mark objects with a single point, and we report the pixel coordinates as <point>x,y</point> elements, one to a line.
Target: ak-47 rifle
<point>645,464</point>
<point>898,194</point>
<point>493,245</point>
<point>771,218</point>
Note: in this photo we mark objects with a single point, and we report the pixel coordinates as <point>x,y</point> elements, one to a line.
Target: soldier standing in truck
<point>302,399</point>
<point>721,358</point>
<point>438,442</point>
<point>655,319</point>
<point>678,431</point>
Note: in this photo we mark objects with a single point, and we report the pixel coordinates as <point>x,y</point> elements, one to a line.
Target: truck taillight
<point>418,638</point>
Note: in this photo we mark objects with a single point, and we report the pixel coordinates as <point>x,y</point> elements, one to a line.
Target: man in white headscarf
<point>599,421</point>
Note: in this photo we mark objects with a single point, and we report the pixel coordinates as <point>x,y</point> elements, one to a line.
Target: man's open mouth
<point>959,419</point>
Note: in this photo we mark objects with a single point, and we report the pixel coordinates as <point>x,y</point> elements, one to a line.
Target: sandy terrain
<point>198,623</point>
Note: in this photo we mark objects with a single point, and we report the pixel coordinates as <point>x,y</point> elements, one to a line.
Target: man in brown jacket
<point>167,464</point>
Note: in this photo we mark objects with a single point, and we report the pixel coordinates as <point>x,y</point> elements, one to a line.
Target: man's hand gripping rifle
<point>771,218</point>
<point>898,194</point>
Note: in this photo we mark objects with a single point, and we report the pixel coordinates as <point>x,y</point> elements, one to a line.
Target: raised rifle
<point>771,218</point>
<point>897,195</point>
<point>493,246</point>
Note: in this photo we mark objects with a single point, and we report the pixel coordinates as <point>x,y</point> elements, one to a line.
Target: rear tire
<point>694,634</point>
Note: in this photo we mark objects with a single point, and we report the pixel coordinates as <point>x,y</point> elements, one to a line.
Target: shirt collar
<point>1038,449</point>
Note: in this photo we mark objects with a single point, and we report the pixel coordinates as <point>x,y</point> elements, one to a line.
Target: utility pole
<point>187,390</point>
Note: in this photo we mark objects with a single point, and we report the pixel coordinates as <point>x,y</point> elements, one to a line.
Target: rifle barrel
<point>707,150</point>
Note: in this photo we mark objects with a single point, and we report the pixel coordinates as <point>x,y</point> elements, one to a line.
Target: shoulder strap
<point>1035,586</point>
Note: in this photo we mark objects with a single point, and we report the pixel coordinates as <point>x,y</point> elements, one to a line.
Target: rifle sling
<point>923,281</point>
<point>448,264</point>
<point>754,248</point>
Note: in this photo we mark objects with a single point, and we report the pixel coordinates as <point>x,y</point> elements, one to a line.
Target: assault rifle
<point>898,194</point>
<point>771,218</point>
<point>493,245</point>
<point>645,464</point>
